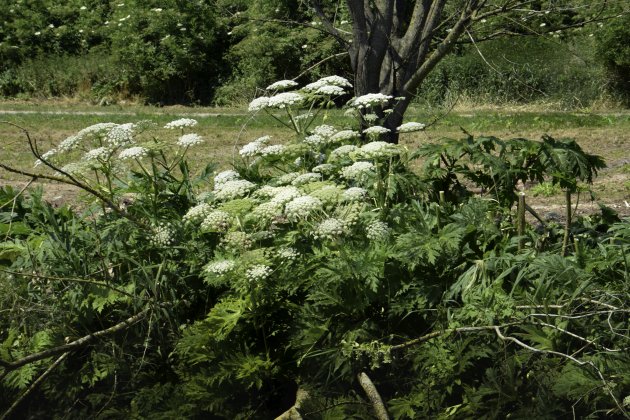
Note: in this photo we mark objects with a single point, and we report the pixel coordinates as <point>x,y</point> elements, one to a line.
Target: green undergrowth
<point>317,271</point>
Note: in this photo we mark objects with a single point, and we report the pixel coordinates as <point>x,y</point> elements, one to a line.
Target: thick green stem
<point>567,225</point>
<point>521,221</point>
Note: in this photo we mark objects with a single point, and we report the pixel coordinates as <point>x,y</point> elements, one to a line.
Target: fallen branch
<point>31,388</point>
<point>9,366</point>
<point>293,413</point>
<point>374,396</point>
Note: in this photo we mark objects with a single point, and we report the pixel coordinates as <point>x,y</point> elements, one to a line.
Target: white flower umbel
<point>312,87</point>
<point>236,241</point>
<point>281,85</point>
<point>378,149</point>
<point>285,194</point>
<point>377,231</point>
<point>331,90</point>
<point>285,99</point>
<point>273,150</point>
<point>315,140</point>
<point>69,143</point>
<point>233,189</point>
<point>330,229</point>
<point>370,100</point>
<point>306,179</point>
<point>324,168</point>
<point>344,135</point>
<point>258,273</point>
<point>302,207</point>
<point>216,220</point>
<point>410,127</point>
<point>357,170</point>
<point>197,213</point>
<point>120,135</point>
<point>376,130</point>
<point>370,118</point>
<point>268,211</point>
<point>75,168</point>
<point>163,235</point>
<point>135,152</point>
<point>286,178</point>
<point>258,104</point>
<point>354,194</point>
<point>287,254</point>
<point>181,123</point>
<point>225,176</point>
<point>324,130</point>
<point>342,151</point>
<point>96,129</point>
<point>188,140</point>
<point>255,147</point>
<point>336,81</point>
<point>220,268</point>
<point>100,153</point>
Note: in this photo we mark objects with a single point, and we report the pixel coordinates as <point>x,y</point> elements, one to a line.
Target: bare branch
<point>373,395</point>
<point>33,386</point>
<point>8,366</point>
<point>293,413</point>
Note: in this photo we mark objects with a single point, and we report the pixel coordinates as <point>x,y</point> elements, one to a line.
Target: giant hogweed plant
<point>316,278</point>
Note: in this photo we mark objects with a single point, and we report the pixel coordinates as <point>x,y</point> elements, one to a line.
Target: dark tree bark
<point>395,44</point>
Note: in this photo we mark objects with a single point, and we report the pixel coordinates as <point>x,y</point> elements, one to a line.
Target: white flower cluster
<point>197,213</point>
<point>135,152</point>
<point>188,140</point>
<point>120,135</point>
<point>255,147</point>
<point>331,90</point>
<point>236,241</point>
<point>100,153</point>
<point>233,189</point>
<point>258,273</point>
<point>258,104</point>
<point>344,135</point>
<point>216,220</point>
<point>354,194</point>
<point>377,231</point>
<point>378,149</point>
<point>342,151</point>
<point>324,168</point>
<point>285,194</point>
<point>225,176</point>
<point>181,123</point>
<point>306,179</point>
<point>315,140</point>
<point>328,194</point>
<point>281,85</point>
<point>163,235</point>
<point>370,117</point>
<point>376,130</point>
<point>69,143</point>
<point>74,168</point>
<point>286,178</point>
<point>273,150</point>
<point>336,81</point>
<point>302,207</point>
<point>410,127</point>
<point>324,130</point>
<point>220,268</point>
<point>285,99</point>
<point>357,170</point>
<point>370,100</point>
<point>268,211</point>
<point>287,254</point>
<point>96,129</point>
<point>329,229</point>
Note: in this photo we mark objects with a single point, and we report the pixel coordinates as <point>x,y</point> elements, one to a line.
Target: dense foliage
<point>219,51</point>
<point>310,266</point>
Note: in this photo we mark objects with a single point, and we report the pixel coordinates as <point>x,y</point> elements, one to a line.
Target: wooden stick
<point>374,396</point>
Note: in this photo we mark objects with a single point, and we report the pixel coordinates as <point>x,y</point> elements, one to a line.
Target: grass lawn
<point>226,129</point>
